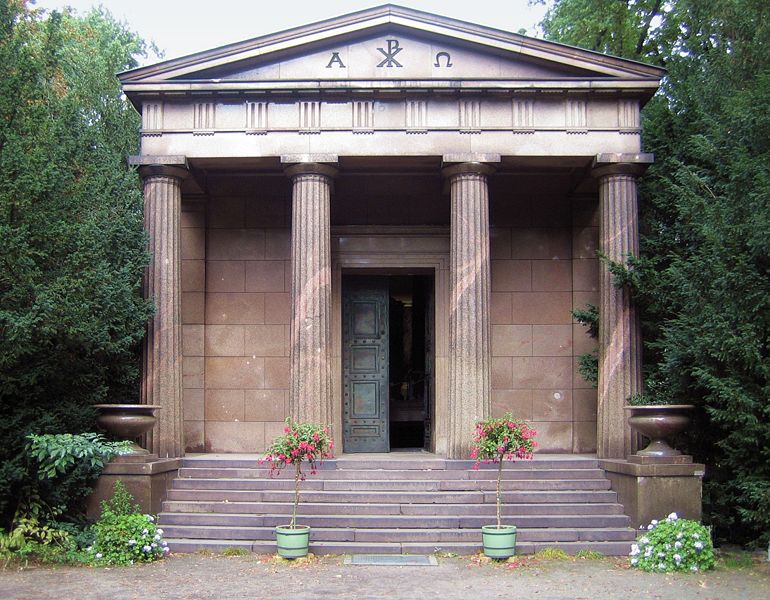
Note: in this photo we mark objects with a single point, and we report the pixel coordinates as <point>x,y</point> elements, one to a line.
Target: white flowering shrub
<point>673,544</point>
<point>127,539</point>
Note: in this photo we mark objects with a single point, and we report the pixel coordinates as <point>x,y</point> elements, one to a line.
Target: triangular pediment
<point>391,53</point>
<point>390,43</point>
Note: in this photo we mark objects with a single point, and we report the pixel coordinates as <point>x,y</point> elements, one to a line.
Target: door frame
<point>395,250</point>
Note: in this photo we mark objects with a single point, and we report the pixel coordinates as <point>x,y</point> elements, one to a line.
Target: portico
<point>388,143</point>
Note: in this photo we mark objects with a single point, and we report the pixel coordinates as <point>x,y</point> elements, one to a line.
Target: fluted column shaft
<point>311,293</point>
<point>162,350</point>
<point>620,346</point>
<point>469,275</point>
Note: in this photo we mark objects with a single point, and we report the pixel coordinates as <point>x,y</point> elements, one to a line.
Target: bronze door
<point>365,364</point>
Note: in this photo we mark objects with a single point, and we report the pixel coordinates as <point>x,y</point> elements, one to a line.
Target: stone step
<point>369,521</point>
<point>389,485</point>
<point>370,508</point>
<point>391,474</point>
<point>396,535</point>
<point>540,462</point>
<point>253,501</point>
<point>609,548</point>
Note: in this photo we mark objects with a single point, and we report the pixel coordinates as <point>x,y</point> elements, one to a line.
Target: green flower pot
<point>292,543</point>
<point>499,543</point>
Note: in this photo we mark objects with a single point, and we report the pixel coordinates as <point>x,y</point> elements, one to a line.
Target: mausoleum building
<point>382,222</point>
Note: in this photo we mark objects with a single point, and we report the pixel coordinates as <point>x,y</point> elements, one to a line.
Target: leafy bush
<point>673,544</point>
<point>127,539</point>
<point>124,536</point>
<point>121,502</point>
<point>58,453</point>
<point>35,534</point>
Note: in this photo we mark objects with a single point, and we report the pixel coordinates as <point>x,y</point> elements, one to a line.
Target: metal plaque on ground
<point>392,560</point>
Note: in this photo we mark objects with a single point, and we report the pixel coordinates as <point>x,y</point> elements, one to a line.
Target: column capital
<point>621,164</point>
<point>467,168</point>
<point>311,168</point>
<point>467,162</point>
<point>160,166</point>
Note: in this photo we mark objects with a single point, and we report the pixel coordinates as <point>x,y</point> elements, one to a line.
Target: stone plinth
<point>620,347</point>
<point>147,478</point>
<point>310,397</point>
<point>654,490</point>
<point>162,350</point>
<point>469,293</point>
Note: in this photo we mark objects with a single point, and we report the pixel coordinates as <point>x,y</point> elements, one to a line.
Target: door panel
<point>365,364</point>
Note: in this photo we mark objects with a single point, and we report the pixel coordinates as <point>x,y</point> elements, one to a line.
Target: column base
<point>146,477</point>
<point>653,490</point>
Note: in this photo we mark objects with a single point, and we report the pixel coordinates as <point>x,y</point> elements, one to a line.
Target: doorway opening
<point>387,362</point>
<point>408,371</point>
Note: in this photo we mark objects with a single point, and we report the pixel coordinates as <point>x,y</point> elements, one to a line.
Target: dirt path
<point>197,576</point>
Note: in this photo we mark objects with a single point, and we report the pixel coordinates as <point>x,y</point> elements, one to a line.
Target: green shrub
<point>71,236</point>
<point>59,453</point>
<point>127,539</point>
<point>35,534</point>
<point>123,535</point>
<point>121,502</point>
<point>673,544</point>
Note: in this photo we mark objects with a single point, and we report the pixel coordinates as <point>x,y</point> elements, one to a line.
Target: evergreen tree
<point>71,239</point>
<point>704,271</point>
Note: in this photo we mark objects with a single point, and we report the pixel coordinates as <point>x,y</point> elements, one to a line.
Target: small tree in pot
<point>496,440</point>
<point>300,443</point>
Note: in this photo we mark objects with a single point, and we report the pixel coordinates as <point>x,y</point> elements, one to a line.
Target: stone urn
<point>127,422</point>
<point>659,422</point>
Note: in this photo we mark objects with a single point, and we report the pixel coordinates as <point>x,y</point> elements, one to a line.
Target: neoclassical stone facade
<point>382,222</point>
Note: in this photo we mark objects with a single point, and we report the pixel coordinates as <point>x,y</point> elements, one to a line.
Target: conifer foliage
<point>704,271</point>
<point>72,247</point>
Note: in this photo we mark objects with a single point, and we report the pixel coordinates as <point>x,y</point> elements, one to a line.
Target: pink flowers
<point>498,439</point>
<point>300,443</point>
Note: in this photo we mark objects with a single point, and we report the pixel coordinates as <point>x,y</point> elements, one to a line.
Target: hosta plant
<point>673,544</point>
<point>300,443</point>
<point>499,439</point>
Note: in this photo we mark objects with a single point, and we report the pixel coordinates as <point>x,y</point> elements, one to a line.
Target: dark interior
<point>409,371</point>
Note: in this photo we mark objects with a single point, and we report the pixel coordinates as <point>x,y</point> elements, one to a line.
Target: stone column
<point>162,350</point>
<point>469,276</point>
<point>310,397</point>
<point>620,345</point>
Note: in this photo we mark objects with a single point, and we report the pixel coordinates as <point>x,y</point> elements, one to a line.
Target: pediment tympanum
<point>389,44</point>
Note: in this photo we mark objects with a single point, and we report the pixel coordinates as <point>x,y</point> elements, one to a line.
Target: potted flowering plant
<point>300,443</point>
<point>496,440</point>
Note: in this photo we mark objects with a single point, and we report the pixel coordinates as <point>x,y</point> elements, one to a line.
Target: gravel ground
<point>253,576</point>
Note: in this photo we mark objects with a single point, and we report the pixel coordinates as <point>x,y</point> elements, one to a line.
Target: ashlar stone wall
<point>543,264</point>
<point>237,351</point>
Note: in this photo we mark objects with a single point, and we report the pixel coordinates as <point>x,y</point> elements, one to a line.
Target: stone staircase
<point>396,504</point>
